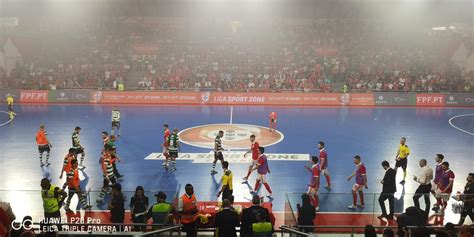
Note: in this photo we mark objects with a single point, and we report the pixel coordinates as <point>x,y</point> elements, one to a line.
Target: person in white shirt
<point>424,189</point>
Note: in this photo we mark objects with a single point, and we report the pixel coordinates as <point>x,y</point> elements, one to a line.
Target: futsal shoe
<point>352,206</point>
<point>316,209</point>
<point>361,206</point>
<point>88,207</point>
<point>328,187</point>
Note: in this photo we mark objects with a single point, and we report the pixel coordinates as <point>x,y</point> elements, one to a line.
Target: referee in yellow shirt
<point>9,101</point>
<point>402,158</point>
<point>227,177</point>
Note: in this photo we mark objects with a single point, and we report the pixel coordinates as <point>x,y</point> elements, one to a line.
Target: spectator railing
<point>333,215</point>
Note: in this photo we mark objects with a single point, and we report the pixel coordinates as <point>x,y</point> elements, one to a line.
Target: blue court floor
<point>372,133</point>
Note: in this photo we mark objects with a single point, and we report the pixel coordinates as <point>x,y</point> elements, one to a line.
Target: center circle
<point>236,136</point>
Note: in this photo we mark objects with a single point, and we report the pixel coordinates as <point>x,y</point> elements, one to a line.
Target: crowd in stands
<point>72,58</point>
<point>317,56</point>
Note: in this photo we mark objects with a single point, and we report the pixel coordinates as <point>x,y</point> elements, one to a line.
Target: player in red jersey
<point>313,187</point>
<point>254,149</point>
<point>445,188</point>
<point>262,169</point>
<point>323,157</point>
<point>361,182</point>
<point>273,121</point>
<point>166,144</point>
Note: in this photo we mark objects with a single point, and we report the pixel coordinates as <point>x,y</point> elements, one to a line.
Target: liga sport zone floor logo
<point>236,136</point>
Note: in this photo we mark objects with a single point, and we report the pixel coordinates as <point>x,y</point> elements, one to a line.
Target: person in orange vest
<point>43,145</point>
<point>187,207</point>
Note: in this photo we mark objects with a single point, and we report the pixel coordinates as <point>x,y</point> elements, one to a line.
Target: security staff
<point>160,211</point>
<point>188,210</point>
<point>53,198</point>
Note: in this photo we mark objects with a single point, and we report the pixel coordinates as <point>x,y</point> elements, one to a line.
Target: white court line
<point>1,111</point>
<point>460,129</point>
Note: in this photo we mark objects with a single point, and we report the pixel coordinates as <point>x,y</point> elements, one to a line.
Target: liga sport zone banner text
<point>230,98</point>
<point>234,98</point>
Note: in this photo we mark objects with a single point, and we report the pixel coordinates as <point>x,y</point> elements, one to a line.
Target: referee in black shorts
<point>402,158</point>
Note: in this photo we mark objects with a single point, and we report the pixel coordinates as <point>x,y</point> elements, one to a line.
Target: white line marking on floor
<point>460,129</point>
<point>1,111</point>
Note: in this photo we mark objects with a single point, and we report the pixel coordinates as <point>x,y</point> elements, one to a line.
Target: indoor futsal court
<point>372,133</point>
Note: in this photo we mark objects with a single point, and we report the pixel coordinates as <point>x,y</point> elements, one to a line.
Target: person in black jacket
<point>117,206</point>
<point>226,221</point>
<point>306,213</point>
<point>468,197</point>
<point>249,216</point>
<point>138,208</point>
<point>388,189</point>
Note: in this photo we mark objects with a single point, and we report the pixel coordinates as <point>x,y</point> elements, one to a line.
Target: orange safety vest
<point>41,138</point>
<point>188,205</point>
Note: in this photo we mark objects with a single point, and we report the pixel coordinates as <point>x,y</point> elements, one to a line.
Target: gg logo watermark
<point>26,225</point>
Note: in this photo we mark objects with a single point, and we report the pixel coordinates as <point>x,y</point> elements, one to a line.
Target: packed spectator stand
<point>312,56</point>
